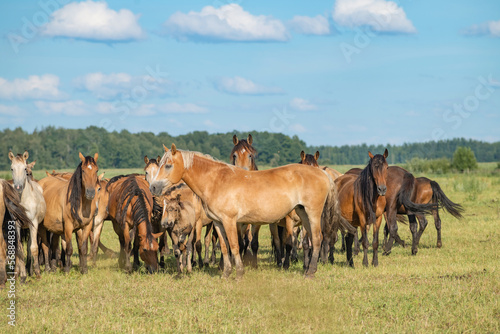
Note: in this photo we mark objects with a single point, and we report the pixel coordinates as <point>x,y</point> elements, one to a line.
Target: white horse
<point>31,194</point>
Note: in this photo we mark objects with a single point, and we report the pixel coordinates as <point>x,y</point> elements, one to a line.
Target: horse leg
<point>45,246</point>
<point>232,238</point>
<point>34,247</point>
<point>364,236</point>
<point>208,236</point>
<point>311,220</point>
<point>255,244</point>
<point>413,229</point>
<point>422,222</point>
<point>95,242</point>
<point>342,248</point>
<point>197,241</point>
<point>288,241</point>
<point>3,255</point>
<point>189,247</point>
<point>356,244</point>
<point>215,236</point>
<point>83,248</point>
<point>277,244</point>
<point>68,231</point>
<point>296,245</point>
<point>55,251</point>
<point>437,222</point>
<point>376,229</point>
<point>349,239</point>
<point>20,255</point>
<point>127,249</point>
<point>224,249</point>
<point>391,226</point>
<point>306,249</point>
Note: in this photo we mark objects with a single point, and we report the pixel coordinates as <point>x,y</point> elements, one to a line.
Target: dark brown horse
<point>362,201</point>
<point>11,210</point>
<point>71,205</point>
<point>130,207</point>
<point>425,192</point>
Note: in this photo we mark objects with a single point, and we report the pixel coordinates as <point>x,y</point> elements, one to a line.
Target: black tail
<point>404,198</point>
<point>14,206</point>
<point>440,198</point>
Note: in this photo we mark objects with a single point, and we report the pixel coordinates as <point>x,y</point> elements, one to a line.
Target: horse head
<point>243,153</point>
<point>170,171</point>
<point>378,168</point>
<point>89,170</point>
<point>19,170</point>
<point>309,159</point>
<point>151,167</point>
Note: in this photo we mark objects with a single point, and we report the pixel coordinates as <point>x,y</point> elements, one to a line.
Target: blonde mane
<point>188,157</point>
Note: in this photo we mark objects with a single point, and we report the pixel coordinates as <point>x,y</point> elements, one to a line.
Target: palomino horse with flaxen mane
<point>31,194</point>
<point>130,206</point>
<point>11,209</point>
<point>233,195</point>
<point>71,205</point>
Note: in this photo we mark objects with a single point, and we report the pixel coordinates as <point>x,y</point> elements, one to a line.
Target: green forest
<point>57,148</point>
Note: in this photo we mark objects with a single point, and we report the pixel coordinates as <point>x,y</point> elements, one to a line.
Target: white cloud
<point>242,86</point>
<point>70,108</point>
<point>307,25</point>
<point>44,87</point>
<point>94,21</point>
<point>302,105</point>
<point>181,108</point>
<point>229,23</point>
<point>491,28</point>
<point>113,85</point>
<point>297,127</point>
<point>10,110</point>
<point>380,15</point>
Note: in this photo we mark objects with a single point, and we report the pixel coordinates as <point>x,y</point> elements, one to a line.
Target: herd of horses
<point>182,192</point>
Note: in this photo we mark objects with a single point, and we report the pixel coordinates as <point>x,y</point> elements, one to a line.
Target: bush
<point>437,166</point>
<point>464,159</point>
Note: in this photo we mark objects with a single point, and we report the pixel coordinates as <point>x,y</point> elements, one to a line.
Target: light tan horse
<point>31,194</point>
<point>71,205</point>
<point>232,195</point>
<point>10,205</point>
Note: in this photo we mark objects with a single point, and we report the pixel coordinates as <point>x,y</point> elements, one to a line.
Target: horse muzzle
<point>381,190</point>
<point>90,194</point>
<point>19,188</point>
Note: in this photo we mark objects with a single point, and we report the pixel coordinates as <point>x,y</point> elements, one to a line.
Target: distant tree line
<point>57,148</point>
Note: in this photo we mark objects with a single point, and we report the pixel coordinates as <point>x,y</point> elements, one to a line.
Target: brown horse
<point>362,201</point>
<point>243,155</point>
<point>130,207</point>
<point>71,205</point>
<point>11,209</point>
<point>424,192</point>
<point>31,194</point>
<point>200,215</point>
<point>233,195</point>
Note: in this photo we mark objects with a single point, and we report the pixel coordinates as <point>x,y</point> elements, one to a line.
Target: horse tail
<point>443,201</point>
<point>13,205</point>
<point>331,218</point>
<point>405,194</point>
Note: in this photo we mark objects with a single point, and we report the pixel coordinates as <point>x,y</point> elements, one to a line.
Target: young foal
<point>31,194</point>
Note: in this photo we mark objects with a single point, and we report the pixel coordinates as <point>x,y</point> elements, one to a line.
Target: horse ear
<point>96,156</point>
<point>157,235</point>
<point>47,173</point>
<point>11,155</point>
<point>158,159</point>
<point>235,140</point>
<point>302,155</point>
<point>82,158</point>
<point>249,139</point>
<point>26,155</point>
<point>316,156</point>
<point>165,148</point>
<point>386,153</point>
<point>174,149</point>
<point>32,164</point>
<point>370,155</point>
<point>146,160</point>
<point>101,176</point>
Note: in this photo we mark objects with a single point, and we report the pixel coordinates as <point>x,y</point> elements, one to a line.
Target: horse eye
<point>146,173</point>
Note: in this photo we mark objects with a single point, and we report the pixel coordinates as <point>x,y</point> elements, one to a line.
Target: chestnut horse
<point>31,194</point>
<point>362,201</point>
<point>233,195</point>
<point>130,207</point>
<point>71,205</point>
<point>11,208</point>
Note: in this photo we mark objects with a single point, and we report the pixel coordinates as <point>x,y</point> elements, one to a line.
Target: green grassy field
<point>452,289</point>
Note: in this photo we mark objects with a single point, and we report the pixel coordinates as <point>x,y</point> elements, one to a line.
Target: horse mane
<point>364,188</point>
<point>244,145</point>
<point>174,188</point>
<point>116,178</point>
<point>74,194</point>
<point>188,157</point>
<point>130,190</point>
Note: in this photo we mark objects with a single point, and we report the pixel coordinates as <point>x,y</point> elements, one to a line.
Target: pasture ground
<point>452,289</point>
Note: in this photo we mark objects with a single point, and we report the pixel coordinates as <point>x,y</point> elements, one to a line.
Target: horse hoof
<point>23,280</point>
<point>439,245</point>
<point>309,276</point>
<point>84,271</point>
<point>414,252</point>
<point>386,253</point>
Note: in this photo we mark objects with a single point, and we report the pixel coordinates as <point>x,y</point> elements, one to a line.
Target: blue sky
<point>332,72</point>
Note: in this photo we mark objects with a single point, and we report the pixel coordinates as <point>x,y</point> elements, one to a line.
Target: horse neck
<point>197,177</point>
